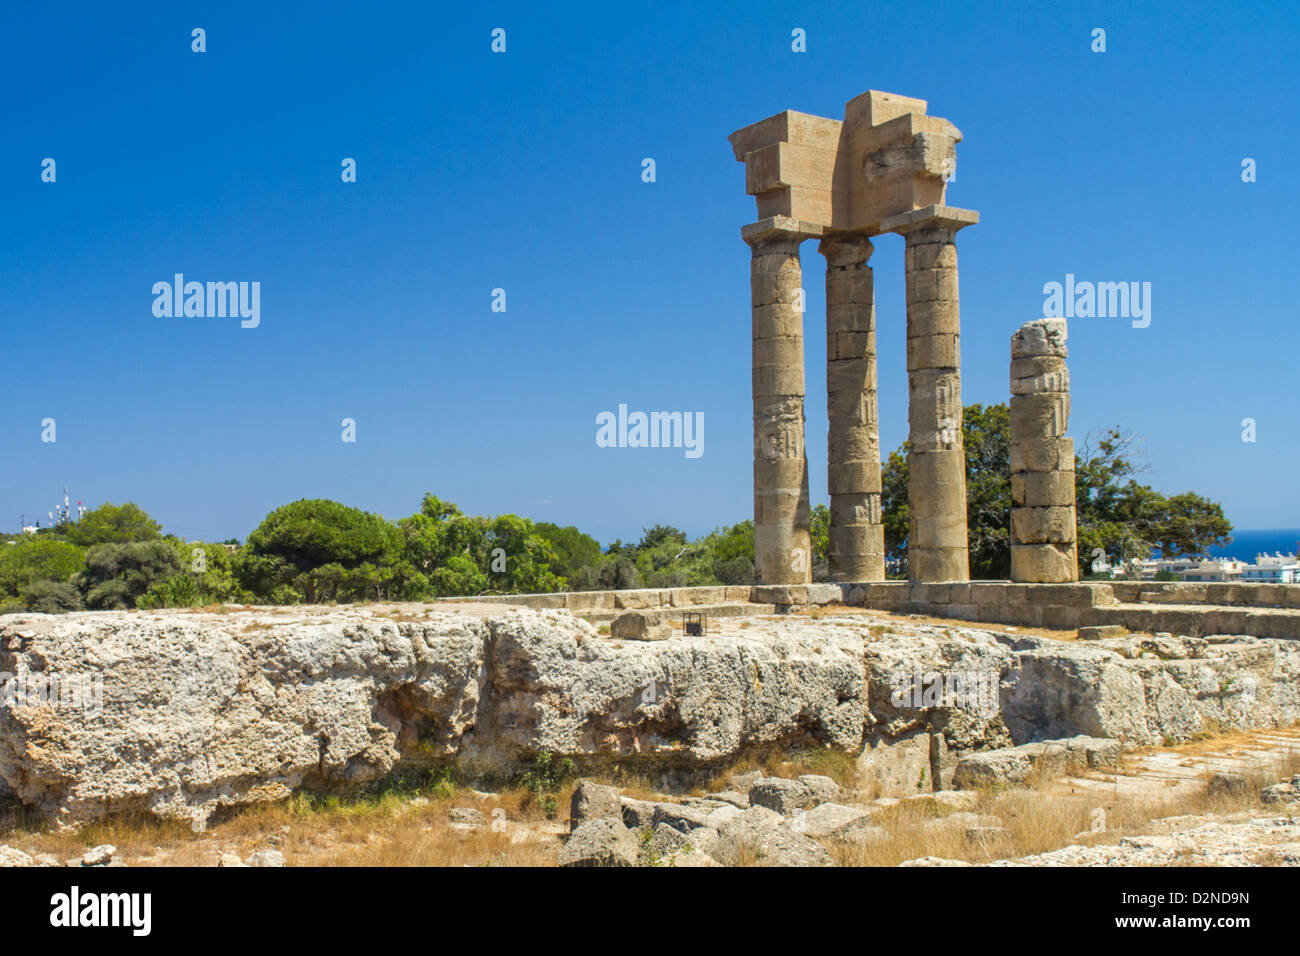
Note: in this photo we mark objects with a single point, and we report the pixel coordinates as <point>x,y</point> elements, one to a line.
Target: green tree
<point>574,551</point>
<point>732,554</point>
<point>895,514</point>
<point>207,577</point>
<point>660,535</point>
<point>212,567</point>
<point>986,435</point>
<point>111,524</point>
<point>1126,519</point>
<point>32,558</point>
<point>52,597</point>
<point>821,533</point>
<point>527,556</point>
<point>449,548</point>
<point>1116,513</point>
<point>458,574</point>
<point>292,542</point>
<point>180,590</point>
<point>116,575</point>
<point>618,570</point>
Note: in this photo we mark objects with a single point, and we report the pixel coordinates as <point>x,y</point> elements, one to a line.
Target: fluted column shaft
<point>782,542</point>
<point>936,489</point>
<point>857,536</point>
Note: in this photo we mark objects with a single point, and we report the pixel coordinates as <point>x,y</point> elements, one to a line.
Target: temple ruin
<point>883,168</point>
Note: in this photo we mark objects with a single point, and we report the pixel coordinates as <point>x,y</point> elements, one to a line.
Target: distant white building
<point>1212,569</point>
<point>1267,569</point>
<point>1275,568</point>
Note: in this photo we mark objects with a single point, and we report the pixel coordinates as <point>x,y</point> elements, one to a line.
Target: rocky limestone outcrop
<point>1149,690</point>
<point>1048,757</point>
<point>206,710</point>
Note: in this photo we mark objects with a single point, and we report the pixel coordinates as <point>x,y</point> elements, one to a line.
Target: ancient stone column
<point>936,489</point>
<point>782,543</point>
<point>1043,543</point>
<point>857,537</point>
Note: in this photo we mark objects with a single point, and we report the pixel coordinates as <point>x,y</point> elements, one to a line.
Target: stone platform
<point>1257,610</point>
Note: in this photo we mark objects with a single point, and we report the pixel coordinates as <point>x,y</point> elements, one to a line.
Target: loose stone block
<point>1101,632</point>
<point>639,626</point>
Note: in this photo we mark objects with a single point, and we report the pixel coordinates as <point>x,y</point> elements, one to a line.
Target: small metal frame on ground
<point>694,624</point>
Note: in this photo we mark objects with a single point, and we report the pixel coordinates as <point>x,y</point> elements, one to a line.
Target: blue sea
<point>1245,544</point>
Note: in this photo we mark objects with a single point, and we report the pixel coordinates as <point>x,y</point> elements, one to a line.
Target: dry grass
<point>390,830</point>
<point>404,830</point>
<point>1036,820</point>
<point>1228,742</point>
<point>840,767</point>
<point>408,824</point>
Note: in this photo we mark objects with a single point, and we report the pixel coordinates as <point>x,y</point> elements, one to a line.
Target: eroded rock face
<point>932,694</point>
<point>198,714</point>
<point>201,711</point>
<point>1149,690</point>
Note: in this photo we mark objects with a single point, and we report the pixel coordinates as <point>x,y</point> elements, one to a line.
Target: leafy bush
<point>52,597</point>
<point>182,590</point>
<point>32,558</point>
<point>117,575</point>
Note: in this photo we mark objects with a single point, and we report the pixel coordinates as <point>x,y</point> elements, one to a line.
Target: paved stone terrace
<point>1259,610</point>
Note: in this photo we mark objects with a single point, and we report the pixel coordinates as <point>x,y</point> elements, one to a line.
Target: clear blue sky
<point>522,171</point>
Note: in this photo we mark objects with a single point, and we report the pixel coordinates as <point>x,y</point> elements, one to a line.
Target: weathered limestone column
<point>1043,541</point>
<point>936,488</point>
<point>782,542</point>
<point>857,536</point>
